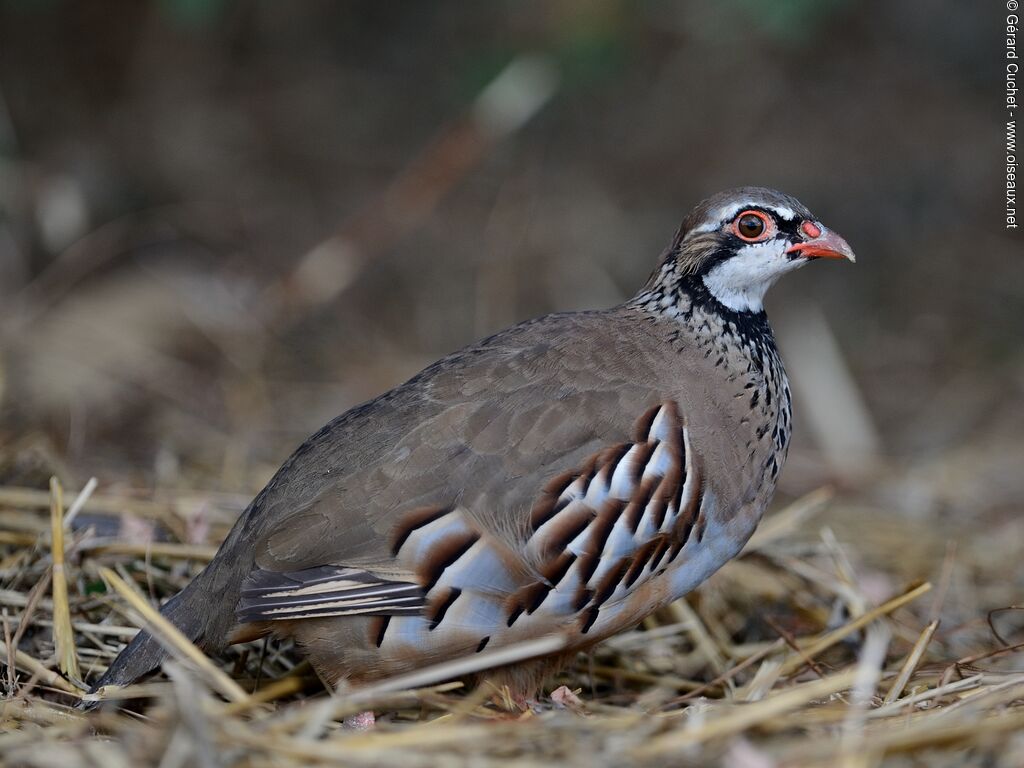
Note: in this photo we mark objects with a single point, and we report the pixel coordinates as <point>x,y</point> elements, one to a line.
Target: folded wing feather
<point>324,591</point>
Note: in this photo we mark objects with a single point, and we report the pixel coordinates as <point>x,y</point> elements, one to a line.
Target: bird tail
<point>204,612</point>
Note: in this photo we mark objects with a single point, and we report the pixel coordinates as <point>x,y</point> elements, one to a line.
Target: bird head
<point>736,244</point>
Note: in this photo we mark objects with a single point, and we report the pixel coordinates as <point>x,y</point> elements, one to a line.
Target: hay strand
<point>63,634</point>
<point>685,686</point>
<point>798,659</point>
<point>172,639</point>
<point>748,716</point>
<point>911,662</point>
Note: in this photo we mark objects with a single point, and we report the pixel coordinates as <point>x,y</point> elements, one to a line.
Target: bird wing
<point>325,591</point>
<point>498,469</point>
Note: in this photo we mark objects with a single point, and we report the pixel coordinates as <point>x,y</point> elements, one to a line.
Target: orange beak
<point>825,245</point>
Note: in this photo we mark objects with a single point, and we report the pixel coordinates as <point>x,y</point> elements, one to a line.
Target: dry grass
<point>782,659</point>
<point>859,630</point>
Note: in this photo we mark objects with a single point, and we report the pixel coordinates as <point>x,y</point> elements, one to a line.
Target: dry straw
<point>63,634</point>
<point>782,659</point>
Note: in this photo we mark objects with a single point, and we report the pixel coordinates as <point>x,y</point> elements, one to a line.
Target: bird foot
<point>564,698</point>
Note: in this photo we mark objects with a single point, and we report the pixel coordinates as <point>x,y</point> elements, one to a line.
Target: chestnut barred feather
<point>593,538</point>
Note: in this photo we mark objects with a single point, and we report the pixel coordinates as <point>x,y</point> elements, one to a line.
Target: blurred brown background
<point>223,223</point>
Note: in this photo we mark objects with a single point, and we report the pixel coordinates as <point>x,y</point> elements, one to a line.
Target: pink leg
<point>563,698</point>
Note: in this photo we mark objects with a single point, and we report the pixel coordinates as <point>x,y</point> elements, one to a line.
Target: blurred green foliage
<point>786,20</point>
<point>194,13</point>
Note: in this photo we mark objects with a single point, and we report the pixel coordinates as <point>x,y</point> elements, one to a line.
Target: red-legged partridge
<point>569,475</point>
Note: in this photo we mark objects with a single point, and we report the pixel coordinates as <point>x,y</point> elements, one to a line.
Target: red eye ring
<point>752,226</point>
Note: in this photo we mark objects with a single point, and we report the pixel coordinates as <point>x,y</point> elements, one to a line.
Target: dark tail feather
<point>204,611</point>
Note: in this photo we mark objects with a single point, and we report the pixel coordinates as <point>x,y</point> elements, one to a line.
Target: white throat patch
<point>740,282</point>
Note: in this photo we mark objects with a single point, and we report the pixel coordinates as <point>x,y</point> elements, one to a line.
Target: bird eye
<point>751,226</point>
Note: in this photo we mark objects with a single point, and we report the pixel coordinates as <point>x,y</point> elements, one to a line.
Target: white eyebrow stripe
<point>725,214</point>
